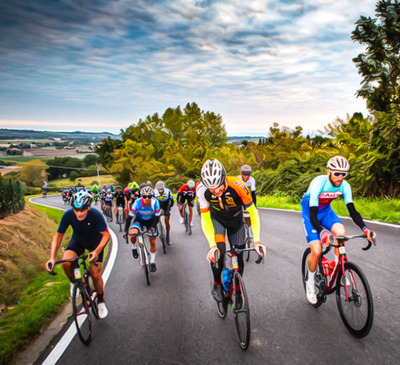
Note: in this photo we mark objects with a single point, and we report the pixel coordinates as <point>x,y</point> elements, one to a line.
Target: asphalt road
<point>174,321</point>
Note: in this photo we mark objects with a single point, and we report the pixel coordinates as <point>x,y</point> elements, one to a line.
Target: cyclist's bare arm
<point>96,252</point>
<point>55,245</point>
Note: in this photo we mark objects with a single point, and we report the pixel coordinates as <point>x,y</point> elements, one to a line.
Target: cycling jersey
<point>166,200</point>
<point>227,209</point>
<point>119,199</point>
<point>251,184</point>
<point>186,194</point>
<point>144,213</point>
<point>321,192</point>
<point>108,197</point>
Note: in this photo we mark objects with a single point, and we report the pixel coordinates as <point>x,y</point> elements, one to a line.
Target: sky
<point>101,65</point>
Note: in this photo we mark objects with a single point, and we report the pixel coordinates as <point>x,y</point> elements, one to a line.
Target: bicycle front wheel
<point>146,263</point>
<point>81,313</point>
<point>242,311</point>
<point>354,300</point>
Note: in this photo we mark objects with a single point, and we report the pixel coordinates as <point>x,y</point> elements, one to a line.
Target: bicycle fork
<point>143,254</point>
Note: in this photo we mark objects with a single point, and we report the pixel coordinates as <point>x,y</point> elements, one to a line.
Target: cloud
<point>259,60</point>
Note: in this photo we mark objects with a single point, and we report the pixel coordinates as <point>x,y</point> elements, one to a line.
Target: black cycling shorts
<point>79,247</point>
<point>188,199</point>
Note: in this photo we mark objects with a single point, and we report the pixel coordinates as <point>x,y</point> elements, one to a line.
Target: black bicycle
<point>235,294</point>
<point>107,211</point>
<point>161,231</point>
<point>186,219</point>
<point>120,218</point>
<point>347,280</point>
<point>84,298</point>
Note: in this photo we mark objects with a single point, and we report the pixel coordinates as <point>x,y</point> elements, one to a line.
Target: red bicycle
<point>353,294</point>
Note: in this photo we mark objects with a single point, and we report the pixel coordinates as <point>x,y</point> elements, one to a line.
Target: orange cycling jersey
<point>229,205</point>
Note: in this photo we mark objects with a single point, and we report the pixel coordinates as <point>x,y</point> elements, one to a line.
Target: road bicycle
<point>107,211</point>
<point>96,198</point>
<point>162,231</point>
<point>186,219</point>
<point>84,298</point>
<point>144,254</point>
<point>235,293</point>
<point>120,218</point>
<point>347,280</point>
<point>249,235</point>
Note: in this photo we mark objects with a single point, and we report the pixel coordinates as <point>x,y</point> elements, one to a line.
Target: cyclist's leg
<point>191,205</point>
<point>237,239</point>
<point>219,230</point>
<point>332,222</point>
<point>68,267</point>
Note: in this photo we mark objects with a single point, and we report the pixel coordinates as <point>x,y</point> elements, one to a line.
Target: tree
<point>34,173</point>
<point>380,64</point>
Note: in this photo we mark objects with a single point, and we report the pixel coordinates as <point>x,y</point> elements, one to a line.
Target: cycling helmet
<point>149,183</point>
<point>146,190</point>
<point>109,190</point>
<point>142,185</point>
<point>212,174</point>
<point>134,185</point>
<point>127,189</point>
<point>118,187</point>
<point>246,170</point>
<point>338,163</point>
<point>160,185</point>
<point>190,184</point>
<point>81,200</point>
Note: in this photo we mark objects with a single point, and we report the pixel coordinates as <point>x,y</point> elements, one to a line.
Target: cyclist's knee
<point>316,248</point>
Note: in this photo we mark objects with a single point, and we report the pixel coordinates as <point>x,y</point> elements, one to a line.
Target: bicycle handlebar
<point>346,238</point>
<point>84,256</point>
<point>237,251</point>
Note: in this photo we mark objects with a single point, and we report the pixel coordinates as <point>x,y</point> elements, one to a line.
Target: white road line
<point>62,345</point>
<point>341,216</point>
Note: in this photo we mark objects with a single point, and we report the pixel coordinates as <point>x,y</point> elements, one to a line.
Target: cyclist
<point>108,199</point>
<point>95,192</point>
<point>144,212</point>
<point>120,201</point>
<point>44,188</point>
<point>321,224</point>
<point>222,199</point>
<point>166,199</point>
<point>89,232</point>
<point>186,193</point>
<point>245,172</point>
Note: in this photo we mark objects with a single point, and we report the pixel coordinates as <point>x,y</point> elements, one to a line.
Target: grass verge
<point>381,210</point>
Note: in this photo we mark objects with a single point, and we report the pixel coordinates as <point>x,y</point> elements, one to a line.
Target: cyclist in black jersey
<point>120,201</point>
<point>90,232</point>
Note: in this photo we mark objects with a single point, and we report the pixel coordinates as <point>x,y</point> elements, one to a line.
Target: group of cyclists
<point>224,202</point>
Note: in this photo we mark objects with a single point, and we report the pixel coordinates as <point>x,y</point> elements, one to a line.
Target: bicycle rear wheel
<point>354,300</point>
<point>81,313</point>
<point>222,308</point>
<point>162,236</point>
<point>241,311</point>
<point>304,272</point>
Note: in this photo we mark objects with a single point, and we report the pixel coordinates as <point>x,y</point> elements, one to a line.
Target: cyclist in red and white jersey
<point>186,193</point>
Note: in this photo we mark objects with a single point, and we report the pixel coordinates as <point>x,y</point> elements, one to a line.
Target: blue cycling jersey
<point>145,213</point>
<point>321,193</point>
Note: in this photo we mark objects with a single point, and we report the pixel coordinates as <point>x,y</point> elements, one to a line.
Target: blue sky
<point>97,65</point>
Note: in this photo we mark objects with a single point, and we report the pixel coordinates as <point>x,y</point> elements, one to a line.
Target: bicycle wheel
<point>120,220</point>
<point>93,302</point>
<point>222,308</point>
<point>145,261</point>
<point>321,296</point>
<point>81,313</point>
<point>241,311</point>
<point>356,308</point>
<point>162,237</point>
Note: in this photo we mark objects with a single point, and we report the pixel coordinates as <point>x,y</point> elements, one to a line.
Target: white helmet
<point>190,184</point>
<point>146,190</point>
<point>338,163</point>
<point>212,174</point>
<point>160,185</point>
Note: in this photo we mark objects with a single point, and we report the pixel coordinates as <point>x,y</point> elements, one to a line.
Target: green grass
<point>372,209</point>
<point>86,181</point>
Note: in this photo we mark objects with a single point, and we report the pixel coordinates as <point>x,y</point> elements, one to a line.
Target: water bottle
<point>227,278</point>
<point>326,267</point>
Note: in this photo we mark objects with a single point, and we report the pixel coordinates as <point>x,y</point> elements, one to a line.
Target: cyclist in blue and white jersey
<point>166,199</point>
<point>145,212</point>
<point>320,222</point>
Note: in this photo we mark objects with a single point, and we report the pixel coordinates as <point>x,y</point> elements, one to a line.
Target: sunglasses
<point>79,209</point>
<point>338,174</point>
<point>146,196</point>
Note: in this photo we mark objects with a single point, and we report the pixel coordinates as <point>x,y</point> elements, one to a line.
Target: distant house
<point>14,151</point>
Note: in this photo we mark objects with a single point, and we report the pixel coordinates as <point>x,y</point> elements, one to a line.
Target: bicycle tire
<point>242,315</point>
<point>249,241</point>
<point>120,220</point>
<point>304,270</point>
<point>94,304</point>
<point>81,313</point>
<point>145,264</point>
<point>162,237</point>
<point>222,308</point>
<point>360,304</point>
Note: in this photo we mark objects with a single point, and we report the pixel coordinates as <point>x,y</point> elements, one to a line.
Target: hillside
<point>18,134</point>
